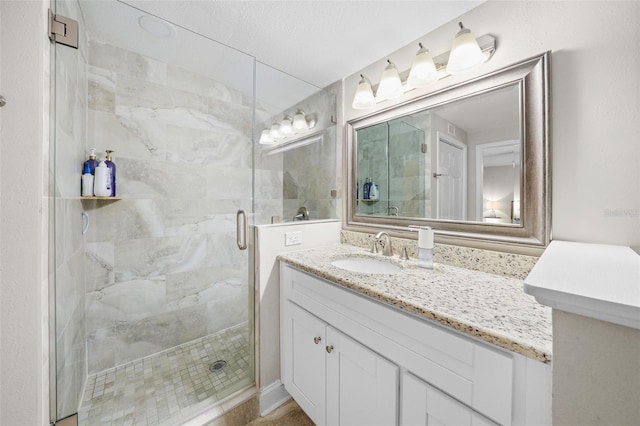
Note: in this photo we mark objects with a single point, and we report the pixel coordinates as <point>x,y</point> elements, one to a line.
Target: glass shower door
<point>407,172</point>
<point>153,299</point>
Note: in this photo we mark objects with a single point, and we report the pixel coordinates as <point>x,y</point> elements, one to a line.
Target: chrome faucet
<point>387,250</point>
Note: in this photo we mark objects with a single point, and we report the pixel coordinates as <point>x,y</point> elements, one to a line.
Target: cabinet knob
<point>329,348</point>
<point>317,340</point>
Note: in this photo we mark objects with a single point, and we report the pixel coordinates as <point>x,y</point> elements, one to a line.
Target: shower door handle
<point>241,236</point>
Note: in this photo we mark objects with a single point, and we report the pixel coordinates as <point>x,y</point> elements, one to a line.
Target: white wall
<point>594,108</point>
<point>269,240</point>
<point>24,81</point>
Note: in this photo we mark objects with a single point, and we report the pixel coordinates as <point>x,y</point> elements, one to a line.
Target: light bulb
<point>274,133</point>
<point>390,85</point>
<point>363,98</point>
<point>285,126</point>
<point>265,139</point>
<point>300,121</point>
<point>465,52</point>
<point>423,71</point>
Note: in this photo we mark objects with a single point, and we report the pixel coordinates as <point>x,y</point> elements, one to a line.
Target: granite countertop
<point>490,307</point>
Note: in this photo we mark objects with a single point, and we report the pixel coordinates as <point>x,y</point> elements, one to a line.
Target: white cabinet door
<point>303,360</point>
<point>362,386</point>
<point>423,405</point>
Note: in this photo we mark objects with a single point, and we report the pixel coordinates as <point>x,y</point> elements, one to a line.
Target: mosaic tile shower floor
<point>151,390</point>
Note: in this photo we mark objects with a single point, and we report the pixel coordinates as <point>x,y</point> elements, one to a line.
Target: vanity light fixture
<point>465,52</point>
<point>363,98</point>
<point>390,85</point>
<point>423,70</point>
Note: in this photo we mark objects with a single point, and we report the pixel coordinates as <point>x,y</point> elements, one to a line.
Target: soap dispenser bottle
<point>102,181</point>
<point>91,163</point>
<point>112,167</point>
<point>87,181</point>
<point>374,192</point>
<point>425,247</point>
<point>366,188</point>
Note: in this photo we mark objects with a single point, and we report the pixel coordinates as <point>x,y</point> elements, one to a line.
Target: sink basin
<point>366,265</point>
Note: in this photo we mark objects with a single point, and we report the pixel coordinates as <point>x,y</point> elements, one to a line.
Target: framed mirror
<point>470,160</point>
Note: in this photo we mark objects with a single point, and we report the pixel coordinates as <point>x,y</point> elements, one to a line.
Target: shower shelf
<point>101,198</point>
<point>367,200</point>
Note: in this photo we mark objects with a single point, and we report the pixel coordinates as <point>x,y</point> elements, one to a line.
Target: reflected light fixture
<point>465,52</point>
<point>287,130</point>
<point>423,70</point>
<point>390,85</point>
<point>286,126</point>
<point>274,133</point>
<point>265,138</point>
<point>363,98</point>
<point>302,122</point>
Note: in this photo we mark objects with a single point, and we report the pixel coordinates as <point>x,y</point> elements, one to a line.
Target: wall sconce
<point>390,85</point>
<point>287,128</point>
<point>363,98</point>
<point>466,54</point>
<point>423,70</point>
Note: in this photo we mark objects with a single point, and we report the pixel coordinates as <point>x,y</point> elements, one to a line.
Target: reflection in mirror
<point>498,180</point>
<point>458,161</point>
<point>469,160</point>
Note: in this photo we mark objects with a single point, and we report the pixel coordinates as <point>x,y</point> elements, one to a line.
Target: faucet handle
<point>374,246</point>
<point>405,254</point>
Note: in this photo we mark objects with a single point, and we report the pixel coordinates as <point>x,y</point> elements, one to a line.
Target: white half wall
<point>270,241</point>
<point>596,371</point>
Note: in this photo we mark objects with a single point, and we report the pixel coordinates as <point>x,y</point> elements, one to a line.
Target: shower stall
<point>152,297</point>
<point>392,155</point>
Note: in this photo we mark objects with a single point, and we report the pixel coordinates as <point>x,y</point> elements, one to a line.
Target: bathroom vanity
<point>412,347</point>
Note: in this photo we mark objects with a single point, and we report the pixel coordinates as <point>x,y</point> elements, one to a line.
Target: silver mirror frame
<point>533,234</point>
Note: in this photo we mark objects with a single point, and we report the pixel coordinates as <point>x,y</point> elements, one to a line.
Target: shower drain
<point>217,365</point>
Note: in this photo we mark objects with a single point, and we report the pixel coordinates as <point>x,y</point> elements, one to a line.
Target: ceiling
<point>316,41</point>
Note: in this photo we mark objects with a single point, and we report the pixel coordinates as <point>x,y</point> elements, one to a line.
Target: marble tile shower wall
<point>70,136</point>
<point>162,263</point>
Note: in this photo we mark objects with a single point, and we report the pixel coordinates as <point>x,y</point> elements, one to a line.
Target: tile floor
<point>150,390</point>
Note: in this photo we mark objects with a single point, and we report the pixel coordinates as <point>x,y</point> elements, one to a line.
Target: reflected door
<point>451,179</point>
